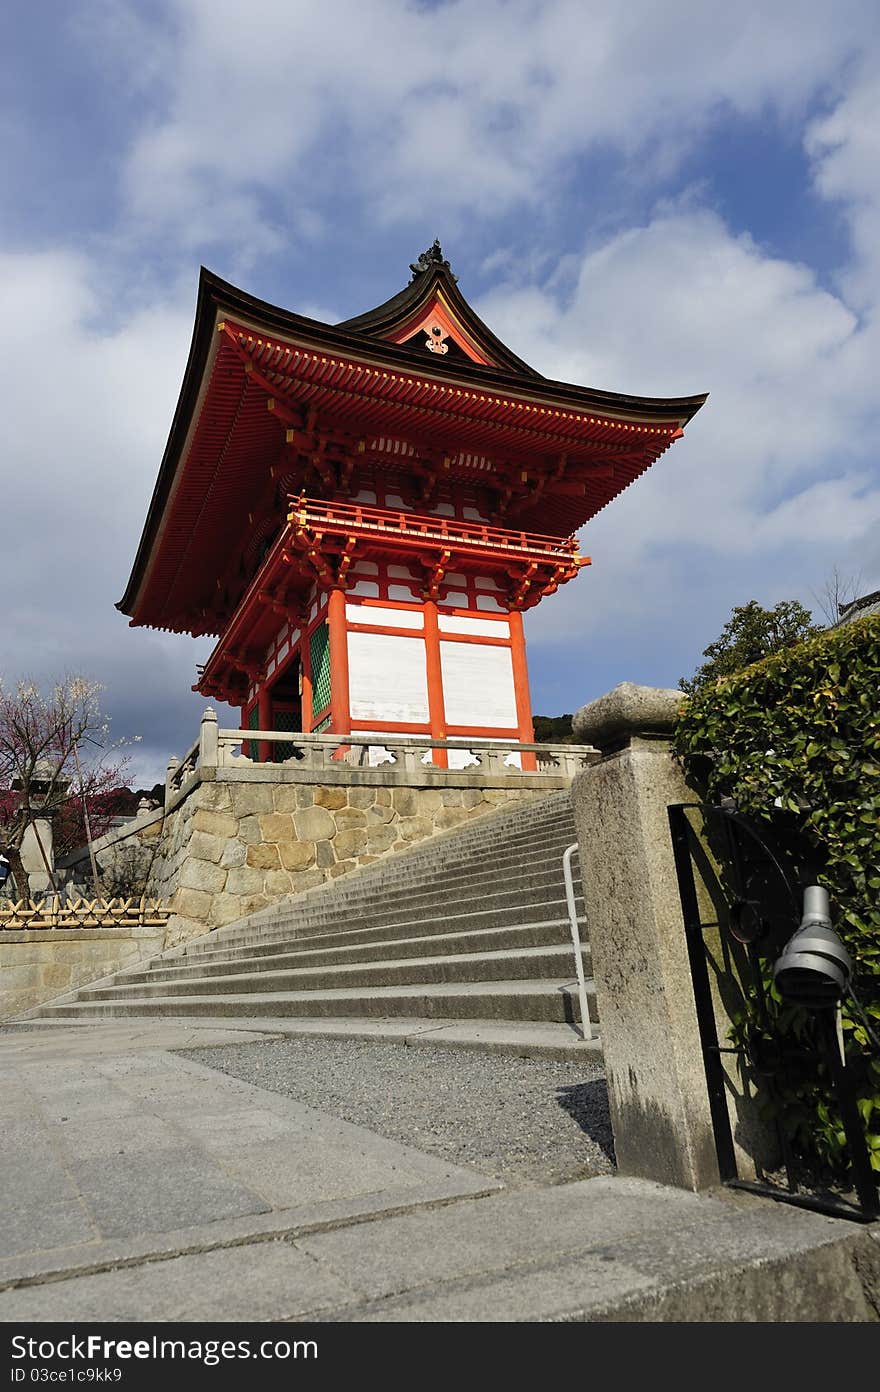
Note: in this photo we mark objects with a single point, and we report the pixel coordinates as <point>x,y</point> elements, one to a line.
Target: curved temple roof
<point>433,287</point>
<point>420,377</point>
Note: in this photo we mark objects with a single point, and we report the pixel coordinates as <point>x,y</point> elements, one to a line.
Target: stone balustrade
<point>389,760</point>
<point>411,753</point>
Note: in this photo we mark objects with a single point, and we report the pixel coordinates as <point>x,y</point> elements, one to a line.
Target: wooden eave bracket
<point>528,499</point>
<point>273,602</point>
<point>322,466</point>
<point>436,572</point>
<point>310,545</point>
<point>241,663</point>
<point>345,560</point>
<point>517,595</point>
<point>287,416</point>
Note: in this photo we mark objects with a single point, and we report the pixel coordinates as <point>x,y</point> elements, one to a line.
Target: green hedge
<point>801,731</point>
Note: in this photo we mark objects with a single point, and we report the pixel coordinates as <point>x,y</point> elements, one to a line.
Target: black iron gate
<point>755,892</point>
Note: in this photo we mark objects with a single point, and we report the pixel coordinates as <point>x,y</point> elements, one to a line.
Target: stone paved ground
<point>524,1121</point>
<point>111,1144</point>
<point>140,1185</point>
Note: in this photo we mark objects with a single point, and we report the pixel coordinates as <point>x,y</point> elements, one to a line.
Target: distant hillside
<point>553,729</point>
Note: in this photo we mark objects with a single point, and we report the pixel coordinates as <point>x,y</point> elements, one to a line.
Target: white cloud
<point>86,413</point>
<point>845,147</point>
<point>776,476</point>
<point>469,109</point>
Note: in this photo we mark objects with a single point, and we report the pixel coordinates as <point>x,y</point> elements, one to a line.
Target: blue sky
<point>653,199</point>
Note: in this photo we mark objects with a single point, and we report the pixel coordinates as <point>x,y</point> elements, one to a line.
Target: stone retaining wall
<point>234,846</point>
<point>36,965</point>
<point>125,858</point>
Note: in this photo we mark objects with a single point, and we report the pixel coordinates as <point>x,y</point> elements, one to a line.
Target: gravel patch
<point>524,1121</point>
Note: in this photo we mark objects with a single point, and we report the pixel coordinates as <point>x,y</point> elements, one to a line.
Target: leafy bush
<point>800,731</point>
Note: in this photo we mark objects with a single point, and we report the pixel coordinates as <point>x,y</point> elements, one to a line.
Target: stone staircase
<point>463,940</point>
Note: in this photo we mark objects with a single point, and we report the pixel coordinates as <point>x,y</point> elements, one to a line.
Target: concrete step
<point>466,936</point>
<point>539,842</point>
<point>509,964</point>
<point>489,865</point>
<point>291,934</point>
<point>396,873</point>
<point>550,1001</point>
<point>356,947</point>
<point>516,820</point>
<point>460,843</point>
<point>295,913</point>
<point>551,916</point>
<point>530,846</point>
<point>522,883</point>
<point>421,860</point>
<point>494,911</point>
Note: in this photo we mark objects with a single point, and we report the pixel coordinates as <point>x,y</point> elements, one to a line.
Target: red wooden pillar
<point>436,706</point>
<point>340,703</point>
<point>305,661</point>
<point>525,728</point>
<point>264,709</point>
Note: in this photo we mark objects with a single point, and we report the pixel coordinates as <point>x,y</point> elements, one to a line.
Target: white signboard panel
<point>381,617</point>
<point>388,678</point>
<point>478,685</point>
<point>486,628</point>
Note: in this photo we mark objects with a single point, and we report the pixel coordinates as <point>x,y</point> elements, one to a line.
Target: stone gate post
<point>656,1081</point>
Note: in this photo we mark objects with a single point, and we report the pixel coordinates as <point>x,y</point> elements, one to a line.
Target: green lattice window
<point>253,723</point>
<point>319,650</point>
<point>284,720</point>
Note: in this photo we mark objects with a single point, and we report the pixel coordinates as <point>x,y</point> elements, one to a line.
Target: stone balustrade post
<point>209,744</point>
<point>170,771</point>
<point>317,755</point>
<point>650,1036</point>
<point>492,760</point>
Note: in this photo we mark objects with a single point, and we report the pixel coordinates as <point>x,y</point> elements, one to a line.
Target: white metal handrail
<point>586,1022</point>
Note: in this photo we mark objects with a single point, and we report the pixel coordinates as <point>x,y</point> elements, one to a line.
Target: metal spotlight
<point>814,968</point>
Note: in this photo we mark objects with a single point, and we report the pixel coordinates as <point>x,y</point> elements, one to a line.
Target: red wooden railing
<point>411,528</point>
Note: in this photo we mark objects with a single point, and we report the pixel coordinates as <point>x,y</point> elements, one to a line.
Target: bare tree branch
<point>837,592</point>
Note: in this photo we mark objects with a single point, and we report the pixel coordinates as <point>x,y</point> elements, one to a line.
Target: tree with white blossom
<point>58,763</point>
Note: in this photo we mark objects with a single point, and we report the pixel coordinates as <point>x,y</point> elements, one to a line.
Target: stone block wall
<point>36,965</point>
<point>125,858</point>
<point>235,846</point>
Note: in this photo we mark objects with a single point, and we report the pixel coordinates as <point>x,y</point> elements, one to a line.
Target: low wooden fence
<point>54,912</point>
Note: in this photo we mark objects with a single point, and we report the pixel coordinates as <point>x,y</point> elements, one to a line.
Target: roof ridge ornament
<point>429,259</point>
